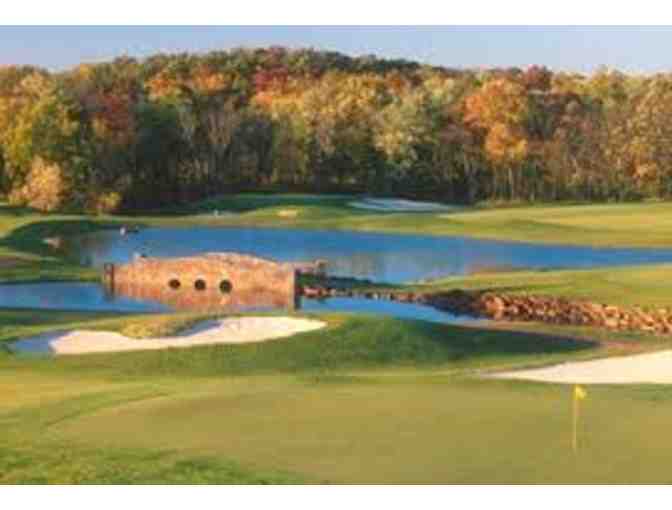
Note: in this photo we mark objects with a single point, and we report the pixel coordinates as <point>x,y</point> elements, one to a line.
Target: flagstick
<point>575,444</point>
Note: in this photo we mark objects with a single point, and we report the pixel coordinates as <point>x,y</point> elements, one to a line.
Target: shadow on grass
<point>255,202</point>
<point>30,237</point>
<point>54,263</point>
<point>10,318</point>
<point>12,210</point>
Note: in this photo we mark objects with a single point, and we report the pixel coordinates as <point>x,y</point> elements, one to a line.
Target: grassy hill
<point>369,400</point>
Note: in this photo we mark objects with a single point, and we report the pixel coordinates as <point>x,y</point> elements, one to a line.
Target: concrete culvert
<point>200,284</point>
<point>174,284</point>
<point>225,286</point>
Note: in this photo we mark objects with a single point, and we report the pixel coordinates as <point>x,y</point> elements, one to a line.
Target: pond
<point>378,257</point>
<point>91,296</point>
<point>392,258</point>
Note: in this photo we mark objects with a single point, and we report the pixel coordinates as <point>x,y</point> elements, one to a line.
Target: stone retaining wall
<point>555,310</point>
<point>515,307</point>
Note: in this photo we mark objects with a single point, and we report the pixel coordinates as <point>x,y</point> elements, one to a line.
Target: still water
<point>89,296</point>
<point>379,257</point>
<point>392,258</point>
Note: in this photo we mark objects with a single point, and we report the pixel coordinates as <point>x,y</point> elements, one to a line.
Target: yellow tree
<point>45,123</point>
<point>500,110</point>
<point>20,89</point>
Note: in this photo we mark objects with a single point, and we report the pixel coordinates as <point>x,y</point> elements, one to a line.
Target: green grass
<point>60,463</point>
<point>355,429</point>
<point>25,257</point>
<point>367,400</point>
<point>386,430</point>
<point>644,286</point>
<point>320,406</point>
<point>597,225</point>
<point>349,342</point>
<point>247,202</point>
<point>16,324</point>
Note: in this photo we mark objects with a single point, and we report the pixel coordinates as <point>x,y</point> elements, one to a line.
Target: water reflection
<point>93,297</point>
<point>72,296</point>
<point>380,257</point>
<point>385,308</point>
<point>210,299</point>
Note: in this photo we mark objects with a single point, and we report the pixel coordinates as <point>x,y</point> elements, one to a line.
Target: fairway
<point>593,224</point>
<point>366,400</point>
<point>627,286</point>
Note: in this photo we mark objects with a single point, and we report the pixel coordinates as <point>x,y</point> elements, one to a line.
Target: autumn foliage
<point>46,188</point>
<point>132,134</point>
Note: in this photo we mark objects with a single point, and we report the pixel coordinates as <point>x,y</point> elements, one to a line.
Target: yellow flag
<point>579,394</point>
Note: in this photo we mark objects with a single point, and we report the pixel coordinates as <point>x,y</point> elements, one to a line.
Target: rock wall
<point>554,310</point>
<point>516,307</point>
<point>214,281</point>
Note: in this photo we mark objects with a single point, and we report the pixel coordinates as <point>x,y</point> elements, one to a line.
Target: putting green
<point>400,430</point>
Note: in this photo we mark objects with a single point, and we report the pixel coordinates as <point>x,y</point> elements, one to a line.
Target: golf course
<point>364,399</point>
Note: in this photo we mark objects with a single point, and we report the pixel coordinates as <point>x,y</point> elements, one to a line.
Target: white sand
<point>317,196</point>
<point>288,213</point>
<point>653,368</point>
<point>238,330</point>
<point>400,205</point>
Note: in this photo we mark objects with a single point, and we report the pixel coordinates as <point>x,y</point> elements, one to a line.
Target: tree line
<point>135,134</point>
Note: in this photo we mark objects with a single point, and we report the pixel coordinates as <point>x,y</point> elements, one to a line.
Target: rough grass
<point>15,324</point>
<point>349,342</point>
<point>160,326</point>
<point>60,463</point>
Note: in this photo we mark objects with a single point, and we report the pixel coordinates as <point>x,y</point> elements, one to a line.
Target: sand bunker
<point>400,205</point>
<point>288,213</point>
<point>652,368</point>
<point>238,330</point>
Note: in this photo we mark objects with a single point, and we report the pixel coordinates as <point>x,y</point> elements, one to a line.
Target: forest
<point>133,134</point>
